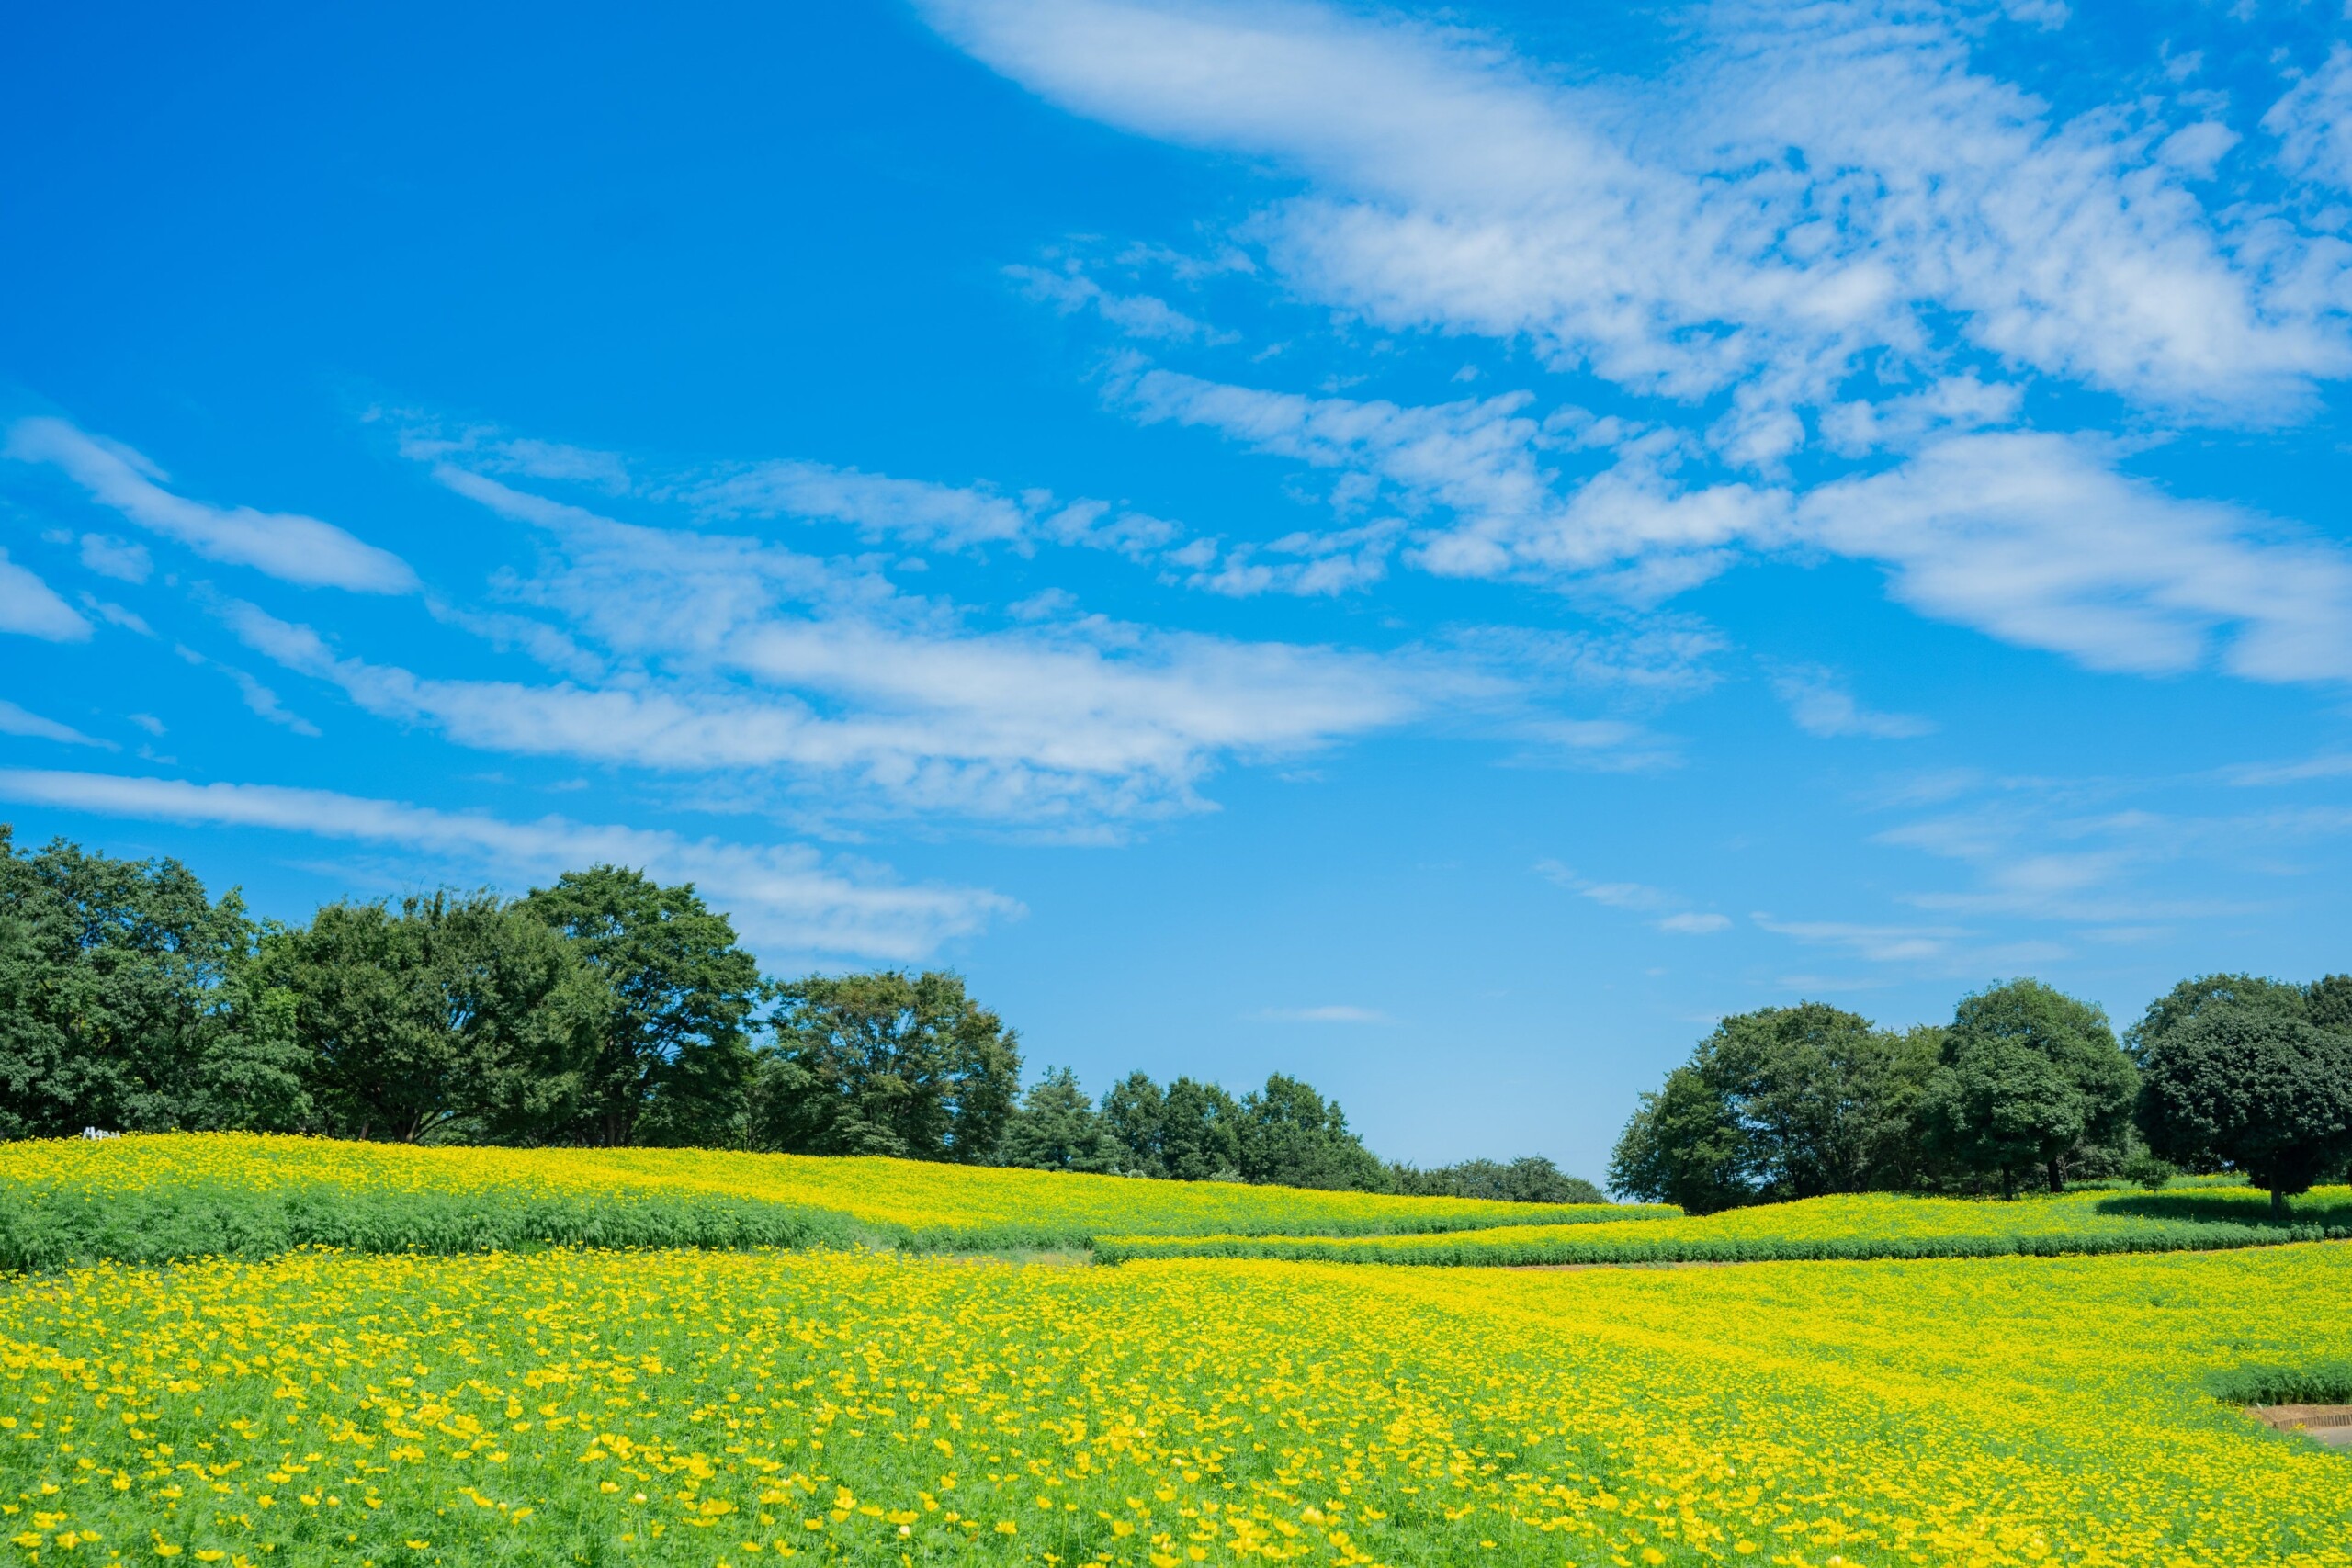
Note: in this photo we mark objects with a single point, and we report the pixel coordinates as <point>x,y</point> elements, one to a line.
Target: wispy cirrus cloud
<point>1666,242</point>
<point>1666,911</point>
<point>1820,704</point>
<point>1335,1013</point>
<point>286,546</point>
<point>17,720</point>
<point>783,898</point>
<point>30,608</point>
<point>746,656</point>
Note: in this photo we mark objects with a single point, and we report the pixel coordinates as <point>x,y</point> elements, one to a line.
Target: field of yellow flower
<point>1869,1225</point>
<point>739,1408</point>
<point>151,1199</point>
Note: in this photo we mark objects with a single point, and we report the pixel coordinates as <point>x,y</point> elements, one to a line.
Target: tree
<point>2185,1000</point>
<point>2243,1084</point>
<point>1998,1107</point>
<point>2327,1003</point>
<point>1780,1103</point>
<point>454,1015</point>
<point>2073,1038</point>
<point>885,1064</point>
<point>125,1003</point>
<point>1290,1136</point>
<point>1200,1132</point>
<point>1135,1117</point>
<point>1683,1145</point>
<point>1531,1179</point>
<point>1055,1128</point>
<point>673,1054</point>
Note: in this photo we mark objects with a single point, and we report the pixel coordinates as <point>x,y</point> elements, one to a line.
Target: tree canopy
<point>2247,1084</point>
<point>1779,1103</point>
<point>885,1064</point>
<point>127,1002</point>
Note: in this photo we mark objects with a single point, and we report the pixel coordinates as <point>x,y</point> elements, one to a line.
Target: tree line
<point>605,1010</point>
<point>2024,1085</point>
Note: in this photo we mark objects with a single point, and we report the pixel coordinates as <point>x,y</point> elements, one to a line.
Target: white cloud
<point>2314,123</point>
<point>913,511</point>
<point>1875,943</point>
<point>122,559</point>
<point>1668,240</point>
<point>31,608</point>
<point>15,720</point>
<point>2038,540</point>
<point>258,698</point>
<point>745,657</point>
<point>290,547</point>
<point>1476,464</point>
<point>1337,1014</point>
<point>1820,704</point>
<point>115,615</point>
<point>1638,899</point>
<point>782,897</point>
<point>1137,315</point>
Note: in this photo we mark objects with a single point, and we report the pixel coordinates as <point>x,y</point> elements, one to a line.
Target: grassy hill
<point>186,1195</point>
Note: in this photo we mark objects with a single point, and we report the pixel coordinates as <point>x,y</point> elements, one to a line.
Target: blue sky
<point>1435,550</point>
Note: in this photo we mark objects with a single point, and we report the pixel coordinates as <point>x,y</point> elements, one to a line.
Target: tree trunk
<point>2277,1204</point>
<point>2057,1176</point>
<point>2008,1184</point>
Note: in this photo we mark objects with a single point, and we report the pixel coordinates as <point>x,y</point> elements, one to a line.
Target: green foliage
<point>2096,1083</point>
<point>39,1231</point>
<point>1055,1128</point>
<point>1292,1136</point>
<point>2253,1086</point>
<point>2321,1382</point>
<point>125,1002</point>
<point>885,1064</point>
<point>2327,1003</point>
<point>1532,1179</point>
<point>1998,1107</point>
<point>1683,1145</point>
<point>1776,1104</point>
<point>1188,1131</point>
<point>2149,1172</point>
<point>453,1014</point>
<point>2185,1000</point>
<point>673,1055</point>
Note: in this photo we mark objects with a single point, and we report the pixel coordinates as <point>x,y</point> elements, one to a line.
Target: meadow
<point>737,1408</point>
<point>1857,1227</point>
<point>154,1198</point>
<point>492,1392</point>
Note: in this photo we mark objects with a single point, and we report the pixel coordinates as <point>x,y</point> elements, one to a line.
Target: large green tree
<point>2246,1085</point>
<point>1779,1103</point>
<point>2327,1003</point>
<point>1999,1108</point>
<point>672,1050</point>
<point>1684,1145</point>
<point>127,1002</point>
<point>1055,1128</point>
<point>454,1015</point>
<point>2098,1083</point>
<point>1292,1136</point>
<point>2185,1000</point>
<point>1189,1131</point>
<point>885,1064</point>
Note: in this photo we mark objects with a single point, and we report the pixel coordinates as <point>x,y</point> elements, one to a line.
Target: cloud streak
<point>286,546</point>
